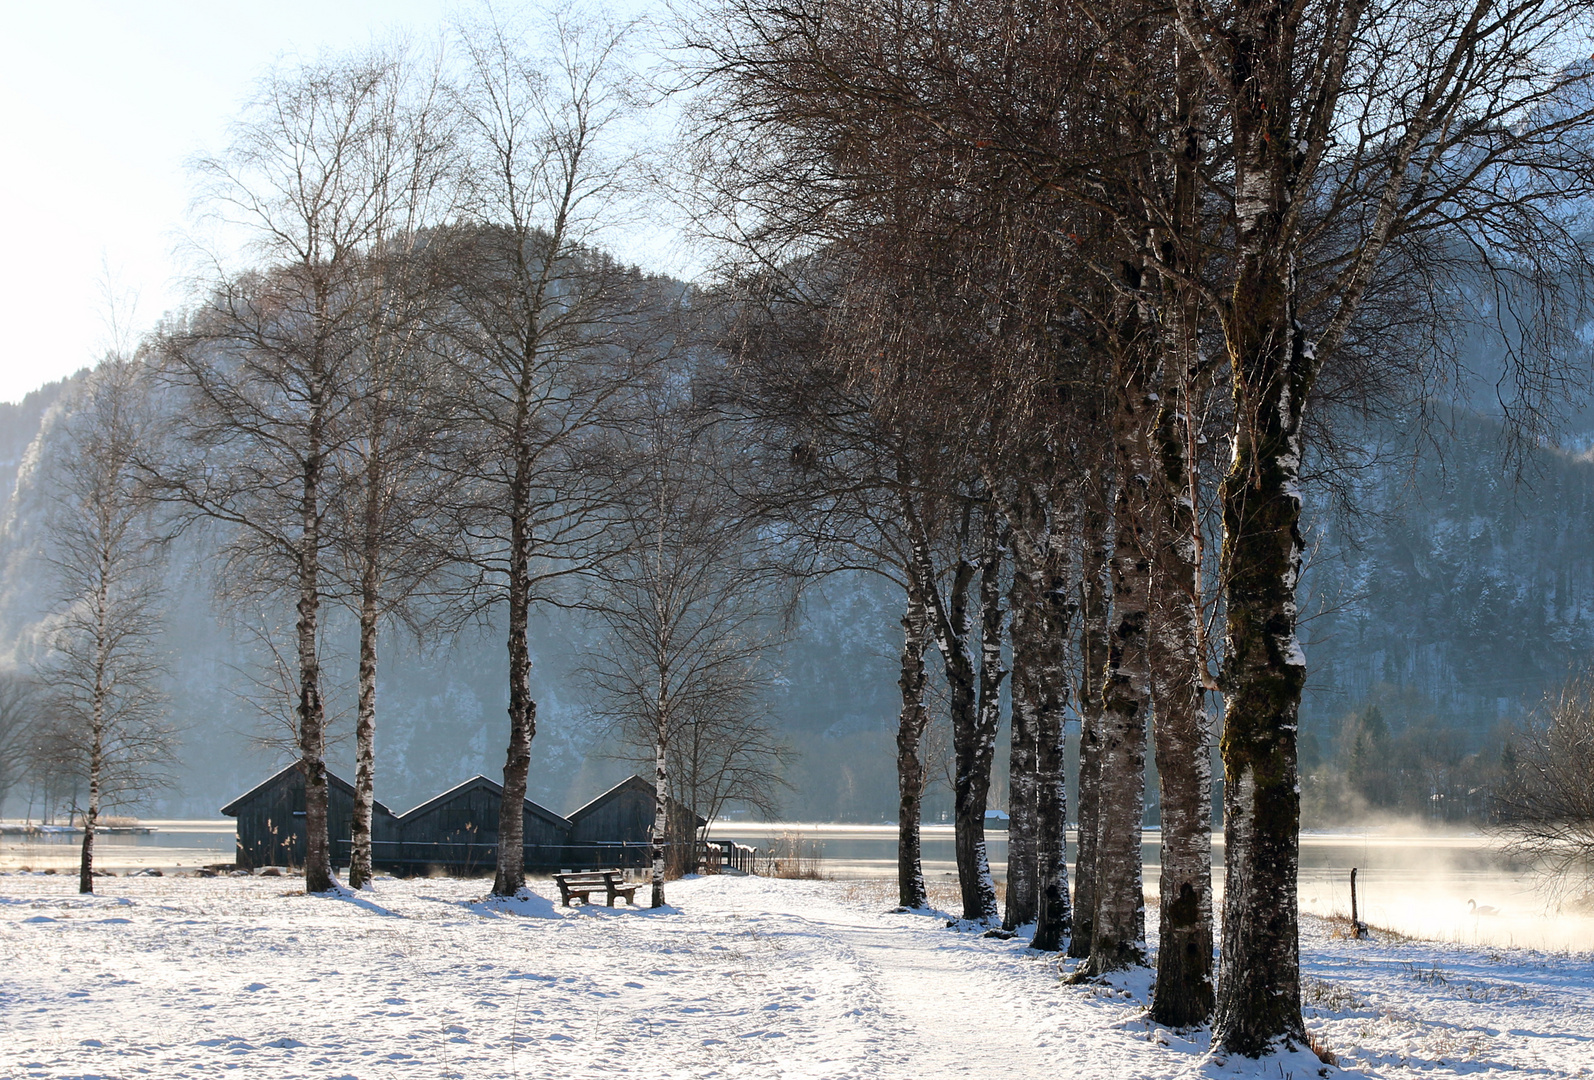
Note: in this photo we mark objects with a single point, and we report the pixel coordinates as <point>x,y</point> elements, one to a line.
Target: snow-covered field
<point>743,977</point>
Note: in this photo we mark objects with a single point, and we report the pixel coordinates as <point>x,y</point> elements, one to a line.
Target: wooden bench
<point>586,883</point>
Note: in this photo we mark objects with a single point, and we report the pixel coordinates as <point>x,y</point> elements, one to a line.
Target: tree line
<point>1076,276</point>
<point>425,398</point>
<point>1044,312</point>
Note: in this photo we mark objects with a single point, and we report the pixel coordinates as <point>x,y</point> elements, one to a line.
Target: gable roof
<point>282,775</point>
<point>631,782</point>
<point>488,784</point>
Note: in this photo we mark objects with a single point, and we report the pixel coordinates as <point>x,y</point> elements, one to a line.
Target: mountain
<point>1450,602</point>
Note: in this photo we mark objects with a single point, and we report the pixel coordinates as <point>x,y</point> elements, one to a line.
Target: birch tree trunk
<point>312,714</point>
<point>1184,991</point>
<point>102,630</point>
<point>511,876</point>
<point>1053,917</point>
<point>1095,609</point>
<point>1264,668</point>
<point>911,774</point>
<point>1029,648</point>
<point>91,816</point>
<point>1259,997</point>
<point>360,859</point>
<point>661,808</point>
<point>977,890</point>
<point>1119,930</point>
<point>975,750</point>
<point>1036,675</point>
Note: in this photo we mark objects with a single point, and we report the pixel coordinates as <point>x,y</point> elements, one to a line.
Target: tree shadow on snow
<point>524,904</point>
<point>353,898</point>
<point>622,909</point>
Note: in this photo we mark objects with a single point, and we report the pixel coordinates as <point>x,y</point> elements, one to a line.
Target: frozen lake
<point>1418,884</point>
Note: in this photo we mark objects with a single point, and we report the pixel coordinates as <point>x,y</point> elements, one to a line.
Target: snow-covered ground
<point>743,977</point>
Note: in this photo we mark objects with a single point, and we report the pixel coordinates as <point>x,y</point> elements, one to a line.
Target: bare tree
<point>837,473</point>
<point>390,517</point>
<point>106,707</point>
<point>543,333</point>
<point>18,715</point>
<point>690,607</point>
<point>266,368</point>
<point>1357,133</point>
<point>1544,802</point>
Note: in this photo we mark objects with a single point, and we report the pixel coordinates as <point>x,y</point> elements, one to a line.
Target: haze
<point>101,105</point>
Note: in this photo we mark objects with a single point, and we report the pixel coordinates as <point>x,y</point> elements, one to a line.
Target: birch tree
<point>689,608</point>
<point>18,715</point>
<point>1543,801</point>
<point>389,516</point>
<point>840,474</point>
<point>105,702</point>
<point>1357,129</point>
<point>266,367</point>
<point>537,333</point>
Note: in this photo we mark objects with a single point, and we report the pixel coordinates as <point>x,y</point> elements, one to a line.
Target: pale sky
<point>101,106</point>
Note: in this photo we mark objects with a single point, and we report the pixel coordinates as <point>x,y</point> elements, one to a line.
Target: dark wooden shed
<point>271,820</point>
<point>615,829</point>
<point>457,831</point>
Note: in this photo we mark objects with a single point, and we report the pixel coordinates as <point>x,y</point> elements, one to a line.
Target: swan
<point>1474,909</point>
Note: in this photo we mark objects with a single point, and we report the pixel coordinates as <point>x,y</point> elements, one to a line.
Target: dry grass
<point>1340,928</point>
<point>1324,1054</point>
<point>943,894</point>
<point>1334,997</point>
<point>794,857</point>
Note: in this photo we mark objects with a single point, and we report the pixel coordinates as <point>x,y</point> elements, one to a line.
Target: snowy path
<point>182,977</point>
<point>952,1004</point>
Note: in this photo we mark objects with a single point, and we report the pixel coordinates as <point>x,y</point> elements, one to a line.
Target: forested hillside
<point>1461,592</point>
<point>1454,599</point>
<point>443,701</point>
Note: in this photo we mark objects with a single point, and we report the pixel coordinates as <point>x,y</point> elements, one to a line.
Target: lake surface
<point>173,845</point>
<point>1417,884</point>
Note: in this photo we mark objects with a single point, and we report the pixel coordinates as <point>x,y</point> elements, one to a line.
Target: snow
<point>741,977</point>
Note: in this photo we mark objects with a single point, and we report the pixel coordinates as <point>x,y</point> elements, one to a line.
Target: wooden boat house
<point>271,819</point>
<point>616,828</point>
<point>457,831</point>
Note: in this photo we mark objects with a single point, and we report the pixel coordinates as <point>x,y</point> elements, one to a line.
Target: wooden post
<point>1358,928</point>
